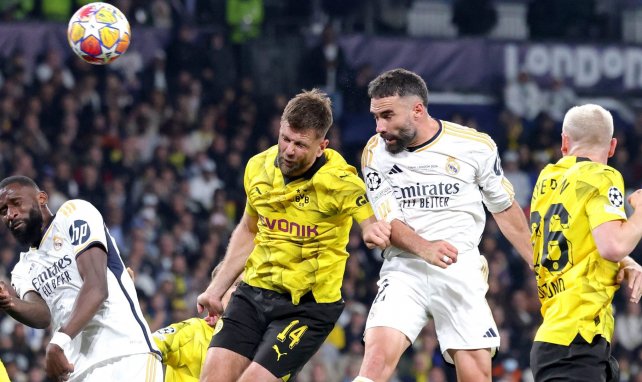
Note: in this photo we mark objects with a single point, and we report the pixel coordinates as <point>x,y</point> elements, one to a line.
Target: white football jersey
<point>437,188</point>
<point>118,328</point>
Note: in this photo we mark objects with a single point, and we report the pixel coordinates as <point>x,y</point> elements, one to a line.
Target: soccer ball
<point>98,33</point>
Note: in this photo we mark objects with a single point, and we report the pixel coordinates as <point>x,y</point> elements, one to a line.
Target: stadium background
<point>159,139</point>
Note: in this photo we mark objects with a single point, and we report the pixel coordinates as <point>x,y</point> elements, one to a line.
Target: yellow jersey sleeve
<point>348,194</point>
<point>607,202</point>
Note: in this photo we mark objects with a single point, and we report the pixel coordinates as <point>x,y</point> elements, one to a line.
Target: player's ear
<point>565,144</point>
<point>612,147</point>
<point>43,198</point>
<point>322,146</point>
<point>419,109</point>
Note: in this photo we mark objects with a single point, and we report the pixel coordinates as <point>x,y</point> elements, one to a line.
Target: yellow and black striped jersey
<point>575,284</point>
<point>183,346</point>
<point>304,224</point>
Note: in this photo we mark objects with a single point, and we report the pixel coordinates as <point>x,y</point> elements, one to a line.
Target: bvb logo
<point>301,198</point>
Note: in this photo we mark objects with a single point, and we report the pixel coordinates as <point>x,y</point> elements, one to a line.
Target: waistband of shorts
<point>272,294</point>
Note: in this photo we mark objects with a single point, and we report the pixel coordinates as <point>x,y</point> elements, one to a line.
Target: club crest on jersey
<point>301,199</point>
<point>615,197</point>
<point>452,167</point>
<point>57,242</point>
<point>79,232</point>
<point>373,180</point>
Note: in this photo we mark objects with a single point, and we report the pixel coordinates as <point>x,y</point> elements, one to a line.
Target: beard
<point>289,169</point>
<point>30,232</point>
<point>401,140</point>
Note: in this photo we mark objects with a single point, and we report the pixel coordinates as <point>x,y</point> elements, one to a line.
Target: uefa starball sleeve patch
<point>615,197</point>
<point>373,181</point>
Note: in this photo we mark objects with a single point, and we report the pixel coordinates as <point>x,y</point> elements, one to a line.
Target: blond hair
<point>588,126</point>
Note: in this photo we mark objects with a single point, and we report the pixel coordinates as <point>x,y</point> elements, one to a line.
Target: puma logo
<point>278,353</point>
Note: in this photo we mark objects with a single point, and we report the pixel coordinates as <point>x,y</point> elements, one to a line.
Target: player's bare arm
<point>616,239</point>
<point>375,233</point>
<point>513,224</point>
<point>438,252</point>
<point>31,311</point>
<point>238,250</point>
<point>92,265</point>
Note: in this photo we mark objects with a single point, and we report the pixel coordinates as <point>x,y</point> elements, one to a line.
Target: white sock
<point>362,379</point>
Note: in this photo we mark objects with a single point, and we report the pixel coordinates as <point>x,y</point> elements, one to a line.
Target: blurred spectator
<point>51,65</point>
<point>205,183</point>
<point>185,53</point>
<point>474,17</point>
<point>220,71</point>
<point>558,99</point>
<point>523,97</point>
<point>324,66</point>
<point>628,330</point>
<point>518,178</point>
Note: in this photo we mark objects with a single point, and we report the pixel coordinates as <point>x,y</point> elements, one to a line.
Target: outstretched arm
<point>513,224</point>
<point>31,310</point>
<point>238,250</point>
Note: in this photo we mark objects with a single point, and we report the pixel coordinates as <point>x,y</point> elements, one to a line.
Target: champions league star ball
<point>98,33</point>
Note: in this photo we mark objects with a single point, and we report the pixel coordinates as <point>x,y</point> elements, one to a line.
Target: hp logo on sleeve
<point>79,232</point>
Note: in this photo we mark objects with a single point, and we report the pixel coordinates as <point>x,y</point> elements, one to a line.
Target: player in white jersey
<point>72,276</point>
<point>431,179</point>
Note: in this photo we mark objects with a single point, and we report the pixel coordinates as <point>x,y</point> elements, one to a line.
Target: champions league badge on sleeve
<point>373,181</point>
<point>615,197</point>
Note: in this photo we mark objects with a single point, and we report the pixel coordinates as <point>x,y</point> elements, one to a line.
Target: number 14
<point>295,335</point>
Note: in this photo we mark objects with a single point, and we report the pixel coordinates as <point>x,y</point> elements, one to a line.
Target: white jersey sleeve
<point>497,191</point>
<point>378,188</point>
<point>21,280</point>
<point>84,224</point>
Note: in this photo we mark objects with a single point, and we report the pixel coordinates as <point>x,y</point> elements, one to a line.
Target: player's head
<point>23,208</point>
<point>588,129</point>
<point>304,124</point>
<point>398,100</point>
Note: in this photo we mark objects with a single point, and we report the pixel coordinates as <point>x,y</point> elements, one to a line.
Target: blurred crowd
<point>160,150</point>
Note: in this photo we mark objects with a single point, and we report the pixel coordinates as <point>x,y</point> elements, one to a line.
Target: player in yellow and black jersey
<point>581,240</point>
<point>291,241</point>
<point>183,345</point>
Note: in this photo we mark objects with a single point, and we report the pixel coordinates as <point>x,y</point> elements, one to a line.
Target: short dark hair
<point>398,82</point>
<point>19,179</point>
<point>309,110</point>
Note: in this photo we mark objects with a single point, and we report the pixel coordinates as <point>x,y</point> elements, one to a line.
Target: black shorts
<point>267,328</point>
<point>580,361</point>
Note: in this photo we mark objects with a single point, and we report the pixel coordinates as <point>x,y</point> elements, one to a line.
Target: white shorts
<point>411,291</point>
<point>144,367</point>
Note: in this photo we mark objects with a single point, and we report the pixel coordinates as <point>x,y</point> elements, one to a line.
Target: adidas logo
<point>395,170</point>
<point>490,333</point>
